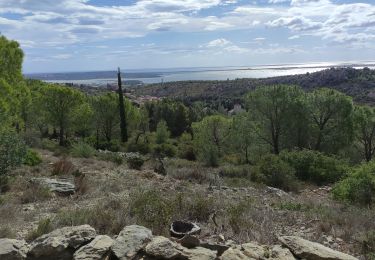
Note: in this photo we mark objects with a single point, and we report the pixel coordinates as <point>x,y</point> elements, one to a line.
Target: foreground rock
<point>61,187</point>
<point>312,251</point>
<point>130,241</point>
<point>163,248</point>
<point>61,243</point>
<point>95,250</point>
<point>12,249</point>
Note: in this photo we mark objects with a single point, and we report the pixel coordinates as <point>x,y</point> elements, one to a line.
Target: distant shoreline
<point>102,78</point>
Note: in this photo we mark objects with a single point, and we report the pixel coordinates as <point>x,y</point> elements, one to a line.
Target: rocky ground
<point>109,197</point>
<point>137,242</point>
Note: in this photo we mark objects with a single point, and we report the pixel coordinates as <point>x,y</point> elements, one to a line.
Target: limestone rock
<point>12,249</point>
<point>312,251</point>
<point>96,250</point>
<point>234,253</point>
<point>130,241</point>
<point>62,187</point>
<point>199,253</point>
<point>163,248</point>
<point>61,243</point>
<point>280,253</point>
<point>189,241</point>
<point>253,250</point>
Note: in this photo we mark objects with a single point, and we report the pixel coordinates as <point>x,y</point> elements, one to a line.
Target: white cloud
<point>218,43</point>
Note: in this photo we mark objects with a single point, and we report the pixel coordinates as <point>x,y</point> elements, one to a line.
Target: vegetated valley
<point>250,160</point>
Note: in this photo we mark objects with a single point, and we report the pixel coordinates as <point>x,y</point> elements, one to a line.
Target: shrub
<point>359,186</point>
<point>82,149</point>
<point>63,167</point>
<point>34,192</point>
<point>32,158</point>
<point>273,171</point>
<point>7,232</point>
<point>151,210</point>
<point>166,149</point>
<point>186,148</point>
<point>110,156</point>
<point>44,227</point>
<point>141,146</point>
<point>135,162</point>
<point>232,171</point>
<point>315,167</point>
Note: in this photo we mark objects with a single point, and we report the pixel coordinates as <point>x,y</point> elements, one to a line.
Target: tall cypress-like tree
<point>124,132</point>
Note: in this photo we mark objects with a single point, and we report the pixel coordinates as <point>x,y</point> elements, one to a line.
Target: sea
<point>151,76</point>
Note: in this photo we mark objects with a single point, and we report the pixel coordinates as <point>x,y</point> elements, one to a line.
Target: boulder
<point>95,250</point>
<point>189,241</point>
<point>12,249</point>
<point>199,253</point>
<point>254,251</point>
<point>61,187</point>
<point>234,253</point>
<point>280,253</point>
<point>163,248</point>
<point>61,243</point>
<point>130,241</point>
<point>312,251</point>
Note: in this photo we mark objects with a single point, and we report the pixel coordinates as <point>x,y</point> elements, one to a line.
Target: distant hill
<point>358,83</point>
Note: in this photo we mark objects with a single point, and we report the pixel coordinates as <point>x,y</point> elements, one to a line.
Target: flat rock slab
<point>130,241</point>
<point>308,250</point>
<point>62,187</point>
<point>12,249</point>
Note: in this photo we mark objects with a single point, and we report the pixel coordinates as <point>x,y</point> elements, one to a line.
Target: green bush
<point>151,210</point>
<point>273,171</point>
<point>315,167</point>
<point>358,187</point>
<point>110,156</point>
<point>44,227</point>
<point>83,150</point>
<point>166,149</point>
<point>142,146</point>
<point>32,158</point>
<point>135,162</point>
<point>233,171</point>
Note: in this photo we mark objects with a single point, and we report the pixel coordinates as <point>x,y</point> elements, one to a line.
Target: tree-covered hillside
<point>358,83</point>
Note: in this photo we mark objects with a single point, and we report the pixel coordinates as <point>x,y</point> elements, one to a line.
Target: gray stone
<point>12,249</point>
<point>97,249</point>
<point>61,243</point>
<point>199,253</point>
<point>280,253</point>
<point>234,253</point>
<point>189,241</point>
<point>254,251</point>
<point>312,251</point>
<point>163,248</point>
<point>130,241</point>
<point>61,187</point>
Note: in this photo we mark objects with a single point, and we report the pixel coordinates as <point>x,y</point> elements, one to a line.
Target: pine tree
<point>124,132</point>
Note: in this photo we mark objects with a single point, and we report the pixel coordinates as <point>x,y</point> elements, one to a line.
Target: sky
<point>87,35</point>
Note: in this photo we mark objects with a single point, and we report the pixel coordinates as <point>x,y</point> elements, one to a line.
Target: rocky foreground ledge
<point>137,242</point>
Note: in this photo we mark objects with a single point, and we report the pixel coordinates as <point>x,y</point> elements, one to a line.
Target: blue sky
<point>85,35</point>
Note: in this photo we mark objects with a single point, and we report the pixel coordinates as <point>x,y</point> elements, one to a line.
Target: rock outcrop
<point>137,242</point>
<point>12,249</point>
<point>61,187</point>
<point>312,251</point>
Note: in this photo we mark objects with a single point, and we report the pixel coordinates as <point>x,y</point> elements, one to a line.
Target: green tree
<point>106,117</point>
<point>271,108</point>
<point>210,138</point>
<point>330,113</point>
<point>364,122</point>
<point>59,104</point>
<point>11,57</point>
<point>83,119</point>
<point>242,136</point>
<point>162,132</point>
